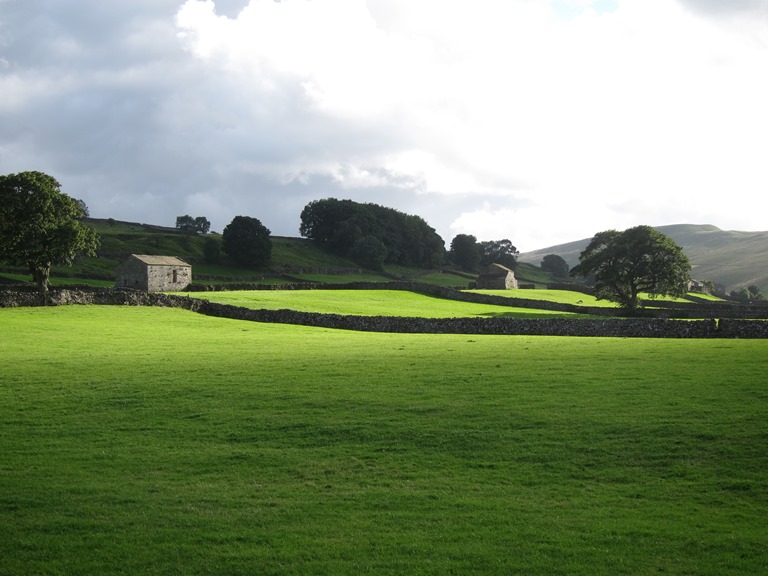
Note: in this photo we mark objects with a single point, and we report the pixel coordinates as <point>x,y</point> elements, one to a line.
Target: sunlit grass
<point>158,441</point>
<point>370,303</point>
<point>559,296</point>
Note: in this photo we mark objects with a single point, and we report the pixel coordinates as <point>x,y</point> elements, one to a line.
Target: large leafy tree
<point>40,226</point>
<point>247,241</point>
<point>638,260</point>
<point>465,252</point>
<point>556,265</point>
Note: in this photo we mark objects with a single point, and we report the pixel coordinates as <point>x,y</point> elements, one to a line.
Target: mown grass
<point>371,303</point>
<point>559,296</point>
<point>444,279</point>
<point>158,441</point>
<point>582,299</point>
<point>342,278</point>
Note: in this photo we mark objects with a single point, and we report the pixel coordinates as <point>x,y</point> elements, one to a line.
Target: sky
<point>537,121</point>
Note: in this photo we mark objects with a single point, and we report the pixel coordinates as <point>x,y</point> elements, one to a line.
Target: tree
<point>344,227</point>
<point>748,293</point>
<point>247,241</point>
<point>755,293</point>
<point>370,253</point>
<point>465,252</point>
<point>83,207</point>
<point>637,260</point>
<point>202,225</point>
<point>185,223</point>
<point>199,225</point>
<point>556,265</point>
<point>40,226</point>
<point>498,252</point>
<point>212,251</point>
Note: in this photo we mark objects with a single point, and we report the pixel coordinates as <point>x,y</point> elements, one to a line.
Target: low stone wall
<point>105,297</point>
<point>626,328</point>
<point>419,288</point>
<point>738,328</point>
<point>611,327</point>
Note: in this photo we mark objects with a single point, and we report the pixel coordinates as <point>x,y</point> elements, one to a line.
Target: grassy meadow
<point>158,441</point>
<point>372,303</point>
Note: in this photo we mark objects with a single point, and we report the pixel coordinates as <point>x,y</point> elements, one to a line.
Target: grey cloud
<point>726,7</point>
<point>230,8</point>
<point>141,130</point>
<point>92,33</point>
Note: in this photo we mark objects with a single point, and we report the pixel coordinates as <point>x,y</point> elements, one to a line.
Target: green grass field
<point>371,303</point>
<point>559,296</point>
<point>158,441</point>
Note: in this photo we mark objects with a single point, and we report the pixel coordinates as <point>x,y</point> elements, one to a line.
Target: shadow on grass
<point>533,315</point>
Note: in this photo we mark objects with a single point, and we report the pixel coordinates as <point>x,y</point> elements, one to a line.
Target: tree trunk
<point>634,300</point>
<point>41,274</point>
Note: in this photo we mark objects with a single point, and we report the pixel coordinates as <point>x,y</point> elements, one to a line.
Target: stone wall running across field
<point>613,327</point>
<point>655,309</point>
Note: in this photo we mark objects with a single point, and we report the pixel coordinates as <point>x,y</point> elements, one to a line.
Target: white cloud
<point>542,120</point>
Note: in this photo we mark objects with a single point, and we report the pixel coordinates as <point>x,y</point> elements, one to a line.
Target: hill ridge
<point>732,259</point>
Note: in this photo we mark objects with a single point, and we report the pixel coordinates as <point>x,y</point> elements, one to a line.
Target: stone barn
<point>153,273</point>
<point>496,277</point>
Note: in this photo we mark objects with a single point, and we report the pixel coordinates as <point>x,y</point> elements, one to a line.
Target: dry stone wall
<point>657,309</point>
<point>611,327</point>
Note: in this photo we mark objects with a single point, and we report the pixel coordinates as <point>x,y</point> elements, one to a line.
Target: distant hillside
<point>730,259</point>
<point>293,259</point>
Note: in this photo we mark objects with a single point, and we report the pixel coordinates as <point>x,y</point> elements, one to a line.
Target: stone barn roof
<point>160,260</point>
<point>495,270</point>
<point>496,277</point>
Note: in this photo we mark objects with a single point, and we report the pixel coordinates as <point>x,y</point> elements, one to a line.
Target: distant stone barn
<point>496,277</point>
<point>153,273</point>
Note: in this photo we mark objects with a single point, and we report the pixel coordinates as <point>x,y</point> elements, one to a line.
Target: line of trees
<point>40,226</point>
<point>469,254</point>
<point>371,235</point>
<point>748,294</point>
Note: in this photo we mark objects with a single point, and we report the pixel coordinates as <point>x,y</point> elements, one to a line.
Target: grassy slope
<point>733,259</point>
<point>215,446</point>
<point>292,258</point>
<point>559,296</point>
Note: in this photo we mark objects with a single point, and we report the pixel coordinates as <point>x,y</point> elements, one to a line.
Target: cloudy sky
<point>540,121</point>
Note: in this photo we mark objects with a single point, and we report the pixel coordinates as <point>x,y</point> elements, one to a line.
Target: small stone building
<point>496,277</point>
<point>698,286</point>
<point>153,273</point>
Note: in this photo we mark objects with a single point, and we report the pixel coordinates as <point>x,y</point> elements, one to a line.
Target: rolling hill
<point>731,259</point>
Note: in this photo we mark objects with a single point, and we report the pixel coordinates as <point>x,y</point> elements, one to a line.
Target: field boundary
<point>606,327</point>
<point>654,309</point>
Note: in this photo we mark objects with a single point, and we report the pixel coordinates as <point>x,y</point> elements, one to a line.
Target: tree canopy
<point>638,260</point>
<point>371,234</point>
<point>465,252</point>
<point>556,265</point>
<point>247,241</point>
<point>40,226</point>
<point>498,252</point>
<point>199,225</point>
